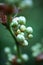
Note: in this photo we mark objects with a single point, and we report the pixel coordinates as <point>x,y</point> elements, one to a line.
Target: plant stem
<point>13,35</point>
<point>17,44</point>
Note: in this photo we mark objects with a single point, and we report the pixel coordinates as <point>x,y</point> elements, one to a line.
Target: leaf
<point>6,38</point>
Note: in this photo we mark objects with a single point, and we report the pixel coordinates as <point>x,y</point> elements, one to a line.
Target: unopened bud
<point>22,20</point>
<point>14,23</point>
<point>24,57</point>
<point>20,38</point>
<point>25,43</point>
<point>29,30</point>
<point>30,36</point>
<point>18,31</point>
<point>7,50</point>
<point>22,28</point>
<point>22,33</point>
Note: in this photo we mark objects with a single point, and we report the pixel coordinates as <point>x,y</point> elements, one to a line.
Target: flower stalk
<point>13,35</point>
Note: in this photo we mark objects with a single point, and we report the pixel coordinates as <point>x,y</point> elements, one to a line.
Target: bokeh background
<point>34,16</point>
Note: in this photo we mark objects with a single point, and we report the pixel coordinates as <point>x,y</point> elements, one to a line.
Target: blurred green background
<point>34,16</point>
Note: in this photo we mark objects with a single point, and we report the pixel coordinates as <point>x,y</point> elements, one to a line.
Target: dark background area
<point>34,18</point>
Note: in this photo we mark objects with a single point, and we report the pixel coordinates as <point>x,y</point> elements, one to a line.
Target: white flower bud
<point>20,38</point>
<point>16,18</point>
<point>22,20</point>
<point>22,28</point>
<point>7,50</point>
<point>18,31</point>
<point>14,22</point>
<point>30,36</point>
<point>25,57</point>
<point>19,60</point>
<point>22,33</point>
<point>25,43</point>
<point>29,30</point>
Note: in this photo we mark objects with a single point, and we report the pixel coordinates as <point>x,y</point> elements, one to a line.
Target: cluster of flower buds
<point>36,49</point>
<point>13,59</point>
<point>21,32</point>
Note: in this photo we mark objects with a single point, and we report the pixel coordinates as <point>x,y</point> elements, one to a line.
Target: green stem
<point>13,35</point>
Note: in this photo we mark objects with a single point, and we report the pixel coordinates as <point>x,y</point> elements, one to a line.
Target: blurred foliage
<point>34,17</point>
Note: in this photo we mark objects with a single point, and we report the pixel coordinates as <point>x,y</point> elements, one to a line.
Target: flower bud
<point>29,30</point>
<point>24,57</point>
<point>22,20</point>
<point>22,33</point>
<point>22,28</point>
<point>30,36</point>
<point>14,23</point>
<point>25,43</point>
<point>20,38</point>
<point>7,50</point>
<point>18,31</point>
<point>16,18</point>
